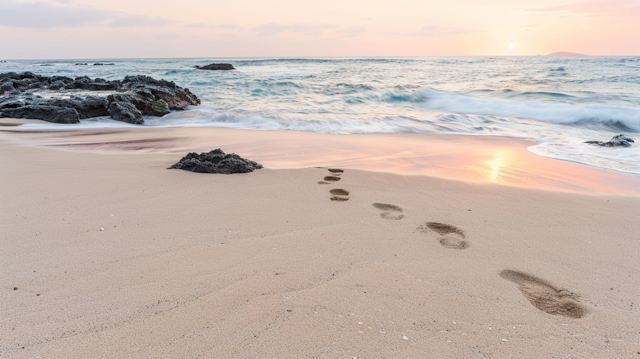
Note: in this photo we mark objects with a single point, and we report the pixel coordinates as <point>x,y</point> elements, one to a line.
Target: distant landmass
<point>564,53</point>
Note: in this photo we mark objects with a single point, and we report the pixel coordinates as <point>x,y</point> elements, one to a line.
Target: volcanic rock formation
<point>62,99</point>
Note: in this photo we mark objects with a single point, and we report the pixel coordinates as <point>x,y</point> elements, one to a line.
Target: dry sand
<point>114,255</point>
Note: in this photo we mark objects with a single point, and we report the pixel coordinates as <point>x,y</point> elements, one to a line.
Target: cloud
<point>440,31</point>
<point>201,25</point>
<point>307,29</point>
<point>351,31</point>
<point>167,36</point>
<point>595,8</point>
<point>44,15</point>
<point>126,20</point>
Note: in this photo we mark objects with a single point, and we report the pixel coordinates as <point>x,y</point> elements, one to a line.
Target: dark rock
<point>35,85</point>
<point>146,95</point>
<point>9,102</point>
<point>125,112</point>
<point>26,75</point>
<point>215,67</point>
<point>85,83</point>
<point>101,64</point>
<point>57,85</point>
<point>216,161</point>
<point>176,97</point>
<point>26,84</point>
<point>8,76</point>
<point>616,141</point>
<point>86,107</point>
<point>7,87</point>
<point>120,97</point>
<point>81,64</point>
<point>43,112</point>
<point>142,99</point>
<point>57,82</point>
<point>64,79</point>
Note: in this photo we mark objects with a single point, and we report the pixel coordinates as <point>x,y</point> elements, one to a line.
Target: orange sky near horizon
<point>248,28</point>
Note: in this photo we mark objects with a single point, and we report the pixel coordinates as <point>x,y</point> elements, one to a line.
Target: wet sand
<point>105,252</point>
<point>477,159</point>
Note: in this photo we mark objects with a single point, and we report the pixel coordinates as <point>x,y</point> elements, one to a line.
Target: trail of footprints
<point>541,294</point>
<point>337,194</point>
<point>333,177</point>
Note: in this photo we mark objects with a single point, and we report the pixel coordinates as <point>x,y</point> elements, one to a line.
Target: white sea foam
<point>534,110</point>
<point>559,102</point>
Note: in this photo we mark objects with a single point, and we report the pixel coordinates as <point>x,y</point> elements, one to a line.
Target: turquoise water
<point>558,101</point>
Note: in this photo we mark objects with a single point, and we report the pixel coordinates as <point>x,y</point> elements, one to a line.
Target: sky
<point>66,29</point>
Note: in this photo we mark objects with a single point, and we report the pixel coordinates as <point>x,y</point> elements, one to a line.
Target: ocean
<point>558,101</point>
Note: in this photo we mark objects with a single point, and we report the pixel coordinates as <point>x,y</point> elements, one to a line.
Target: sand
<point>108,253</point>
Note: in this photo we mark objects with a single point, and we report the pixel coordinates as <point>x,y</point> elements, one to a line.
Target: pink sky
<point>245,28</point>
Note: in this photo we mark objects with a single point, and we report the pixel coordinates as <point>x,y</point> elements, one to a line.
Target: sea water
<point>558,101</point>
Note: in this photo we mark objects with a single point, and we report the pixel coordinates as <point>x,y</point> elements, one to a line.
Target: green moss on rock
<point>161,107</point>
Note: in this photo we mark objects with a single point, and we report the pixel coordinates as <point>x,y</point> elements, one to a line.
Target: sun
<point>512,46</point>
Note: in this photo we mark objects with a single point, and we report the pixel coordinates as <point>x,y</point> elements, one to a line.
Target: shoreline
<point>116,255</point>
<point>477,159</point>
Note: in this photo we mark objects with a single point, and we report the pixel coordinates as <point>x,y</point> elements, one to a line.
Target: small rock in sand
<point>216,161</point>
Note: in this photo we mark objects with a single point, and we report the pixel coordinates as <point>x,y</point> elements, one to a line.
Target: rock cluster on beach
<point>616,141</point>
<point>215,67</point>
<point>216,161</point>
<point>62,99</point>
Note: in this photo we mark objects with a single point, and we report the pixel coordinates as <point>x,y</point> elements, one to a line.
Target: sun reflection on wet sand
<point>496,164</point>
<point>498,160</point>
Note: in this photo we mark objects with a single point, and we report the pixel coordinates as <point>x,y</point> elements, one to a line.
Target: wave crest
<point>613,116</point>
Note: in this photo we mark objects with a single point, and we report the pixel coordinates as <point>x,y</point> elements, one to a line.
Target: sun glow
<point>512,46</point>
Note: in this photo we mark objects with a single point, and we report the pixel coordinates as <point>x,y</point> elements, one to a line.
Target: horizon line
<point>294,57</point>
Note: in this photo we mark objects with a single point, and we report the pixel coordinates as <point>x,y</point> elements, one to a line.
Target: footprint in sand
<point>545,296</point>
<point>334,177</point>
<point>390,211</point>
<point>453,237</point>
<point>340,195</point>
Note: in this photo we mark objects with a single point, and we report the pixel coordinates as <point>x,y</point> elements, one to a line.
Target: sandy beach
<point>105,252</point>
